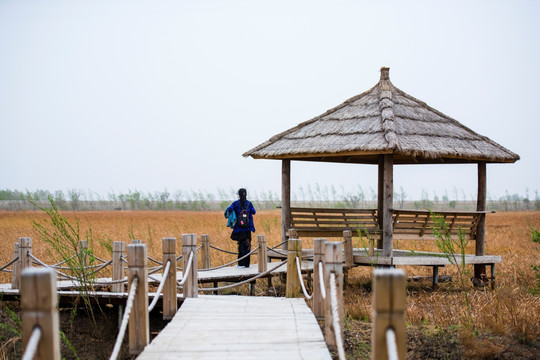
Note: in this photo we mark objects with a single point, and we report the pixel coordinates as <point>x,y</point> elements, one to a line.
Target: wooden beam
<point>380,191</point>
<point>285,199</point>
<point>387,206</point>
<point>480,247</point>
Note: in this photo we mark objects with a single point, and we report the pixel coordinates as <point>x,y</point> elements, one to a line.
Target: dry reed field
<point>499,323</point>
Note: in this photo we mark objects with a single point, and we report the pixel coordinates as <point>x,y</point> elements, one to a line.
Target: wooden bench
<point>418,224</point>
<point>319,222</point>
<point>407,224</point>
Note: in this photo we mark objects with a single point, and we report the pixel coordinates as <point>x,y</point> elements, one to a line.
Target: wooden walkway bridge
<point>240,327</point>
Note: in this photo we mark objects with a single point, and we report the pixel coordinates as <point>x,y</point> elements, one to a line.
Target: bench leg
<point>492,276</point>
<point>435,277</point>
<point>252,287</point>
<point>216,284</point>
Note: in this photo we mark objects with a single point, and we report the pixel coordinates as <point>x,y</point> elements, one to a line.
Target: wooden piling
<point>39,309</point>
<point>389,310</point>
<point>170,304</point>
<point>333,264</point>
<point>189,244</point>
<point>205,252</point>
<point>293,282</point>
<point>319,247</point>
<point>139,330</point>
<point>262,254</point>
<point>118,267</point>
<point>83,253</point>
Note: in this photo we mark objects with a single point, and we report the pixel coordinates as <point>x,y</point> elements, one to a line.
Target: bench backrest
<point>407,224</point>
<point>315,222</point>
<point>417,224</point>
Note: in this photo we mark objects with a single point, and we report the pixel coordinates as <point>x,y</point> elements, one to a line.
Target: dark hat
<point>242,192</point>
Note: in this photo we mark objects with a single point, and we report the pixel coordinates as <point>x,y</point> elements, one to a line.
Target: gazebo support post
<point>385,202</point>
<point>380,186</point>
<point>285,199</point>
<point>480,250</point>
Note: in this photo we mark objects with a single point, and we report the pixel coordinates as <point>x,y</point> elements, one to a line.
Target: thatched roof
<point>382,120</point>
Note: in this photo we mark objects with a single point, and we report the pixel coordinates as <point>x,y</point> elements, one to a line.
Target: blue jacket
<point>236,207</point>
<point>231,218</point>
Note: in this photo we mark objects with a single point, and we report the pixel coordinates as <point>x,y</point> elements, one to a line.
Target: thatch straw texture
<point>383,120</point>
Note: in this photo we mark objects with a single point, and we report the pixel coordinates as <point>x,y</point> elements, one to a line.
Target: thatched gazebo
<point>387,127</point>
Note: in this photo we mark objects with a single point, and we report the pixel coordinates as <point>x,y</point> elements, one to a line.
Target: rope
<point>125,319</point>
<point>391,344</point>
<point>178,257</point>
<point>232,262</point>
<point>335,316</point>
<point>98,259</point>
<point>65,261</point>
<point>222,250</point>
<point>245,281</point>
<point>160,287</point>
<point>306,295</point>
<point>154,260</point>
<point>9,263</point>
<point>199,247</point>
<point>321,280</point>
<point>272,248</point>
<point>32,345</point>
<point>100,266</point>
<point>188,269</point>
<point>154,269</point>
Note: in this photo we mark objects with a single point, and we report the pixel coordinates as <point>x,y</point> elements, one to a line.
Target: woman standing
<point>243,227</point>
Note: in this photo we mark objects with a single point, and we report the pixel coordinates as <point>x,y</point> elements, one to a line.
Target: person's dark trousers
<point>244,247</point>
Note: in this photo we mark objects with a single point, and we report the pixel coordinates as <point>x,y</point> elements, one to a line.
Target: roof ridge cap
<point>387,111</point>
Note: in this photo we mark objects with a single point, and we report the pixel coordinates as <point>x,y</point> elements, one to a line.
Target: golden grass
<point>509,310</point>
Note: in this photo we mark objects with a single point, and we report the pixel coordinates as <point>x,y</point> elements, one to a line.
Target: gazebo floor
<point>419,258</point>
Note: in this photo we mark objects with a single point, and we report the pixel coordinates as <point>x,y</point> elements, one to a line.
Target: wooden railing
<point>328,265</point>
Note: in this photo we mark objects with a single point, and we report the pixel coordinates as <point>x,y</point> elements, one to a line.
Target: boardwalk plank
<point>240,327</point>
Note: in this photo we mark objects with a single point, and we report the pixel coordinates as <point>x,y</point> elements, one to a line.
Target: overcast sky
<point>110,96</point>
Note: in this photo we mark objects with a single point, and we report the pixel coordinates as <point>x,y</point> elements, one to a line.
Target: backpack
<point>243,219</point>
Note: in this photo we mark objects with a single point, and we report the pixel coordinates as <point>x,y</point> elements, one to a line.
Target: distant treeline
<point>308,196</point>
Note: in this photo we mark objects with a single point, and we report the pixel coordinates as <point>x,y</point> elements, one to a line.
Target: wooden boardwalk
<point>240,327</point>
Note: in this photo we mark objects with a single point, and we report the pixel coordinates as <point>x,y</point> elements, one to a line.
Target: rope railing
<point>154,260</point>
<point>391,344</point>
<point>188,269</point>
<point>335,316</point>
<point>160,287</point>
<point>232,262</point>
<point>321,281</point>
<point>66,260</point>
<point>125,319</point>
<point>245,281</point>
<point>223,250</point>
<point>32,345</point>
<point>9,263</point>
<point>306,295</point>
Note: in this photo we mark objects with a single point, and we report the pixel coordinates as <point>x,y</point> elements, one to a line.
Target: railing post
<point>139,331</point>
<point>348,248</point>
<point>319,246</point>
<point>170,304</point>
<point>189,244</point>
<point>389,309</point>
<point>136,241</point>
<point>205,252</point>
<point>294,247</point>
<point>118,265</point>
<point>25,261</point>
<point>83,250</point>
<point>348,252</point>
<point>333,263</point>
<point>262,255</point>
<point>15,275</point>
<point>38,303</point>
